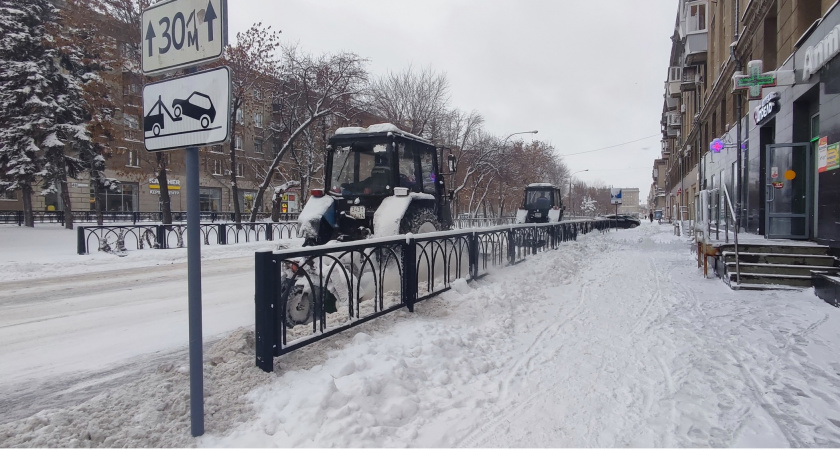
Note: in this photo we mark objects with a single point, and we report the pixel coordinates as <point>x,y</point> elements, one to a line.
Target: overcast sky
<point>586,73</point>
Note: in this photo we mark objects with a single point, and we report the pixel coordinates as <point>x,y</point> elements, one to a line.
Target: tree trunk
<point>65,199</point>
<point>234,189</point>
<point>97,201</point>
<point>28,216</point>
<point>165,199</point>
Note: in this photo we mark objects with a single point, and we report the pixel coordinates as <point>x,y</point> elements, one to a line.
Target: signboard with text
<point>182,33</point>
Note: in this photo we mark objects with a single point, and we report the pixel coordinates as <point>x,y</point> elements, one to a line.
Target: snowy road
<point>614,340</point>
<point>77,334</point>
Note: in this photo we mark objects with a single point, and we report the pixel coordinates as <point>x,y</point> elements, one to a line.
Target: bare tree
<point>309,88</point>
<point>253,63</point>
<point>412,100</point>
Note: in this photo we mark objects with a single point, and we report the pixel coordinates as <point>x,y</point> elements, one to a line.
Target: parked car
<point>624,220</point>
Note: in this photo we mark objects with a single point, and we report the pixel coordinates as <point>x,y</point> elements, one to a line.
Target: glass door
<point>786,191</point>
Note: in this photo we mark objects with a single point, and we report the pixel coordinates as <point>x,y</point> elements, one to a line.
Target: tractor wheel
<point>418,220</point>
<point>300,307</point>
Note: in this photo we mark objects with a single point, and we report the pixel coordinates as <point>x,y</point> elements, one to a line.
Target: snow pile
<point>310,217</point>
<point>378,128</point>
<point>386,220</point>
<point>614,340</point>
<point>49,250</point>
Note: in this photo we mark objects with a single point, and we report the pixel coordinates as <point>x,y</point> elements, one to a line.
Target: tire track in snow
<point>755,388</point>
<point>490,428</point>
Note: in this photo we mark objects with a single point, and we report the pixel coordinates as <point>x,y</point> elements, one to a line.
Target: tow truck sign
<point>187,111</point>
<point>182,33</point>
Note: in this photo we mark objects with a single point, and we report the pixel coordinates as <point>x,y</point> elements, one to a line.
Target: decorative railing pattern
<point>307,294</point>
<point>121,238</point>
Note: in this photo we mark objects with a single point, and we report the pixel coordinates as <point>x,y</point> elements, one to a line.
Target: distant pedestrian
<point>650,216</point>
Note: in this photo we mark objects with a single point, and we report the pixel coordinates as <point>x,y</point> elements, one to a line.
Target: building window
<point>258,120</point>
<point>257,146</point>
<point>237,142</point>
<point>246,199</point>
<point>121,199</point>
<point>133,160</point>
<point>217,167</point>
<point>240,116</point>
<point>696,20</point>
<point>209,199</point>
<point>257,94</point>
<point>7,194</point>
<point>131,122</point>
<point>240,170</point>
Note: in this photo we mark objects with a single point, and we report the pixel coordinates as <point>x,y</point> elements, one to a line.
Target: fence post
<point>222,234</point>
<point>409,279</point>
<point>81,248</point>
<point>20,218</point>
<point>265,320</point>
<point>511,246</point>
<point>160,236</point>
<point>269,231</point>
<point>474,255</point>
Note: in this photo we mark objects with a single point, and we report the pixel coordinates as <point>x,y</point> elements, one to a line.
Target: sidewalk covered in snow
<point>613,340</point>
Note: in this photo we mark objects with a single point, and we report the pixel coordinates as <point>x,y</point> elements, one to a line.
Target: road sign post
<point>187,112</point>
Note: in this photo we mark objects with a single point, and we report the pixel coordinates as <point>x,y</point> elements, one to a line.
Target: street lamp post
<point>504,141</point>
<point>570,189</point>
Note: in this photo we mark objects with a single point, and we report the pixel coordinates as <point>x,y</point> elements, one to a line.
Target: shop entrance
<point>787,197</point>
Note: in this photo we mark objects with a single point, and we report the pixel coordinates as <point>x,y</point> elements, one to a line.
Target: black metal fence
<point>480,222</point>
<point>16,217</point>
<point>307,294</point>
<point>119,238</point>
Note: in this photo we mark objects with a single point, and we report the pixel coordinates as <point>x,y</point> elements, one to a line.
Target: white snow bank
<point>386,220</point>
<point>310,217</point>
<point>615,340</point>
<point>378,128</point>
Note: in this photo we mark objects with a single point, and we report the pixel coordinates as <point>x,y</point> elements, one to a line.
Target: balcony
<point>690,78</point>
<point>696,47</point>
<point>673,120</point>
<point>671,103</point>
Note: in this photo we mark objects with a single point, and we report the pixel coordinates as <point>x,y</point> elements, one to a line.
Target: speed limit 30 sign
<point>182,33</point>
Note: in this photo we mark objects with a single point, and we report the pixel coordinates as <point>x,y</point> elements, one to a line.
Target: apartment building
<point>751,105</point>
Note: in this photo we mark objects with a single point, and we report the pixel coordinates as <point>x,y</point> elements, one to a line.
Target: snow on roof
<point>540,185</point>
<point>378,128</point>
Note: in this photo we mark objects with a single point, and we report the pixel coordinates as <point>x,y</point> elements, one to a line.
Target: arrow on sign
<point>209,17</point>
<point>150,34</point>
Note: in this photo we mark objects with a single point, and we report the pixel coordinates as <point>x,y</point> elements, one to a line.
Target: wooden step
<point>772,279</point>
<point>781,258</point>
<point>812,249</point>
<point>779,269</point>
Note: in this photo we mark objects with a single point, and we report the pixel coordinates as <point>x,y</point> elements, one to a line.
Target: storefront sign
<point>774,172</point>
<point>754,80</point>
<point>821,53</point>
<point>79,185</point>
<point>716,145</point>
<point>778,184</point>
<point>157,192</point>
<point>828,156</point>
<point>768,108</point>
